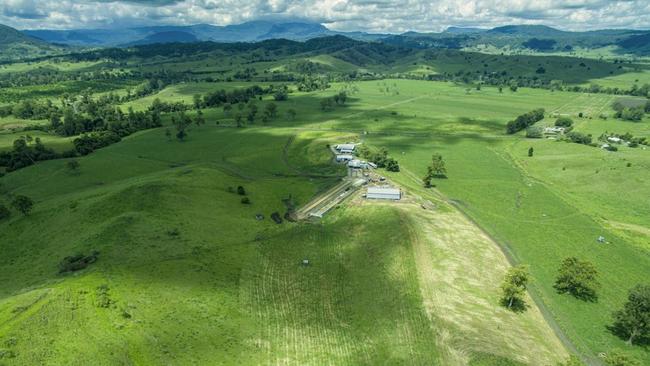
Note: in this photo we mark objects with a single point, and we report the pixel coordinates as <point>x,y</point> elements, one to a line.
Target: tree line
<point>525,120</point>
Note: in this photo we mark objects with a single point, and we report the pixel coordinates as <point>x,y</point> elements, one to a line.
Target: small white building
<point>384,193</point>
<point>341,158</point>
<point>554,130</point>
<point>345,148</point>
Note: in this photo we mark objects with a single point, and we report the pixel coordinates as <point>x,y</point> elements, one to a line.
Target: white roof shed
<point>384,193</point>
<point>345,147</point>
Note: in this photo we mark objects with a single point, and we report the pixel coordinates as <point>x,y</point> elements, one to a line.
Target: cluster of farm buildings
<point>345,153</point>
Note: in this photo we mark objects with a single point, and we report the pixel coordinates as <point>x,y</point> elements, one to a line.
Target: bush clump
<point>77,262</point>
<point>276,217</point>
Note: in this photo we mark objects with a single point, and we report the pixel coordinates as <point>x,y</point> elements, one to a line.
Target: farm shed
<point>384,193</point>
<point>345,148</point>
<point>358,164</point>
<point>344,157</point>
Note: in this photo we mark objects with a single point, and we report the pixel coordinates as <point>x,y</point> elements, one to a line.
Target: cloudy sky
<point>343,15</point>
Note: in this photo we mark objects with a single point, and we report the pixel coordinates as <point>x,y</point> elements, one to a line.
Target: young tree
<point>291,114</point>
<point>227,108</point>
<point>438,166</point>
<point>73,166</point>
<point>199,120</point>
<point>241,191</point>
<point>281,95</point>
<point>168,134</point>
<point>270,111</point>
<point>198,102</point>
<point>4,212</point>
<point>633,321</point>
<point>238,119</point>
<point>23,204</point>
<point>326,104</point>
<point>531,151</point>
<point>392,165</point>
<point>579,278</point>
<point>181,122</point>
<point>514,286</point>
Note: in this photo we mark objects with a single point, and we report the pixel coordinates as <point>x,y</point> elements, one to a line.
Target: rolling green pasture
<point>58,143</point>
<point>190,276</point>
<point>186,274</point>
<point>51,65</point>
<point>185,92</point>
<point>542,214</point>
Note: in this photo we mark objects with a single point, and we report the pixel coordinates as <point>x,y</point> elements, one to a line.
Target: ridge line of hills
<point>15,44</point>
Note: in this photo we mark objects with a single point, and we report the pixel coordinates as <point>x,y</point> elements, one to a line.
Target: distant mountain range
<point>33,43</point>
<point>533,37</point>
<point>245,32</point>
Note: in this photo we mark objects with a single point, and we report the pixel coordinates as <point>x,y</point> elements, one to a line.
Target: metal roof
<point>383,190</point>
<point>345,147</point>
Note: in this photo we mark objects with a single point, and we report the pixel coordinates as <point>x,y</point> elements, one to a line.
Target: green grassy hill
<point>14,45</point>
<point>186,274</point>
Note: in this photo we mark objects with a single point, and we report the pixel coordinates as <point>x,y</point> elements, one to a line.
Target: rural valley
<point>279,193</point>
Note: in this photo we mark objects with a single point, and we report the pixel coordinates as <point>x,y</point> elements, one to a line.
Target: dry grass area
<point>459,271</point>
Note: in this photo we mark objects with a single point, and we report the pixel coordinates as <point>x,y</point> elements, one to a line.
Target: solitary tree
<point>23,204</point>
<point>514,286</point>
<point>531,151</point>
<point>73,166</point>
<point>579,278</point>
<point>241,191</point>
<point>438,166</point>
<point>168,134</point>
<point>633,321</point>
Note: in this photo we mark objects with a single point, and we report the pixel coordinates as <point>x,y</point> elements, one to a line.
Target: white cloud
<point>345,15</point>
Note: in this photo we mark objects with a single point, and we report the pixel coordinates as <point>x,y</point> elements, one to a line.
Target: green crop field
<point>186,213</point>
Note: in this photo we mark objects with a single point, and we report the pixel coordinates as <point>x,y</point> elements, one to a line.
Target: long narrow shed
<point>384,193</point>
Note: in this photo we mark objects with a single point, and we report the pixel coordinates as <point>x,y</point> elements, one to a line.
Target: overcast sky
<point>343,15</point>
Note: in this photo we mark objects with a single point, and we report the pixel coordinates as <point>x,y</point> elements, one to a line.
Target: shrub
<point>564,122</point>
<point>246,201</point>
<point>241,191</point>
<point>23,204</point>
<point>276,217</point>
<point>611,148</point>
<point>77,262</point>
<point>579,138</point>
<point>4,212</point>
<point>534,132</point>
<point>103,299</point>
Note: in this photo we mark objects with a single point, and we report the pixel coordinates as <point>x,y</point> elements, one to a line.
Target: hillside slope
<point>16,45</point>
